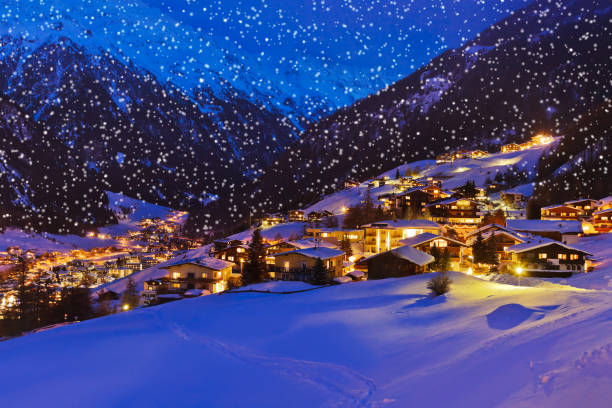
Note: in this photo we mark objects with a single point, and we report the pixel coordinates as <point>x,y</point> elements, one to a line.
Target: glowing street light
<point>519,272</point>
<point>470,271</point>
<point>126,307</point>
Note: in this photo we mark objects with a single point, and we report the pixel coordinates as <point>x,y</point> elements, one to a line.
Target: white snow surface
<point>372,343</point>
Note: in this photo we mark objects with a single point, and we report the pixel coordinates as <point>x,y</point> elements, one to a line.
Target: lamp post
<point>519,272</point>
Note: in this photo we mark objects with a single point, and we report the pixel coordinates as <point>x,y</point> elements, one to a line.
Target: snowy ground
<point>373,343</point>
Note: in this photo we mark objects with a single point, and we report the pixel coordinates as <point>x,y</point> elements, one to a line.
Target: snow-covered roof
<point>399,224</point>
<point>205,261</point>
<point>602,211</point>
<point>450,201</point>
<point>309,243</point>
<point>320,252</point>
<point>550,207</point>
<point>527,246</point>
<point>426,237</point>
<point>486,227</point>
<point>564,227</point>
<point>342,279</point>
<point>581,200</point>
<point>486,235</point>
<point>410,254</point>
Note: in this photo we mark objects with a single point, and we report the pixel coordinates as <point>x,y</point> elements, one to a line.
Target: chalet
<point>336,235</point>
<point>417,198</point>
<point>461,154</point>
<point>427,241</point>
<point>318,215</point>
<point>199,273</point>
<point>454,211</point>
<point>487,228</point>
<point>398,262</point>
<point>605,204</point>
<point>501,239</point>
<point>560,212</point>
<point>351,183</point>
<point>510,147</point>
<point>586,206</point>
<point>564,231</point>
<point>512,197</point>
<point>269,220</point>
<point>444,158</point>
<point>297,216</point>
<point>385,235</point>
<point>224,243</point>
<point>286,246</point>
<point>237,253</point>
<point>548,258</point>
<point>476,154</point>
<point>542,139</point>
<point>602,221</point>
<point>298,264</point>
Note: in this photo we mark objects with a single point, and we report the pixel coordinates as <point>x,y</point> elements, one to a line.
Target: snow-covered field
<point>373,343</point>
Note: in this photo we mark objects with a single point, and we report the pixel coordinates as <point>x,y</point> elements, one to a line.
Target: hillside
<point>537,70</point>
<point>364,344</point>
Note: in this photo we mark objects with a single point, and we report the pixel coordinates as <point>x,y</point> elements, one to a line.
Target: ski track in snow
<point>345,386</point>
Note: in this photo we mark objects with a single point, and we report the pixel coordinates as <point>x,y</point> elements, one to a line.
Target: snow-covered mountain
<point>541,69</point>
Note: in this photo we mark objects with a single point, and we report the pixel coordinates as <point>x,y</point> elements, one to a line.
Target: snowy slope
<point>453,175</point>
<point>375,343</point>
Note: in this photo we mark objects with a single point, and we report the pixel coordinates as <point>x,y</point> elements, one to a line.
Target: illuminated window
<point>240,250</point>
<point>176,285</point>
<point>204,275</point>
<point>439,243</point>
<point>324,235</point>
<point>230,258</point>
<point>542,255</point>
<point>176,275</point>
<point>561,256</point>
<point>574,257</point>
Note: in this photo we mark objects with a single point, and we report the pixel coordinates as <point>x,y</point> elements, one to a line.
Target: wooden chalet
<point>298,264</point>
<point>454,211</point>
<point>427,241</point>
<point>586,206</point>
<point>512,197</point>
<point>269,220</point>
<point>385,235</point>
<point>501,239</point>
<point>476,154</point>
<point>297,215</point>
<point>237,253</point>
<point>336,235</point>
<point>560,212</point>
<point>548,258</point>
<point>395,263</point>
<point>206,273</point>
<point>510,147</point>
<point>602,221</point>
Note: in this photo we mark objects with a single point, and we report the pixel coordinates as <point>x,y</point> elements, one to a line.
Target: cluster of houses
<point>391,248</point>
<point>595,215</point>
<point>535,141</point>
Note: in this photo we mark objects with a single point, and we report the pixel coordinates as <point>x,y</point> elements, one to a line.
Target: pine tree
<point>397,174</point>
<point>345,246</point>
<point>490,255</point>
<point>75,304</point>
<point>255,269</point>
<point>130,296</point>
<point>445,260</point>
<point>320,275</point>
<point>435,265</point>
<point>478,249</point>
